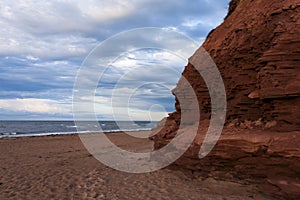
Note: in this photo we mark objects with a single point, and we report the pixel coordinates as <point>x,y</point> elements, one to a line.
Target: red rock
<point>257,51</point>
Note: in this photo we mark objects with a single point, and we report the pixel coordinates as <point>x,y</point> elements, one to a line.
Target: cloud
<point>71,28</point>
<point>43,43</point>
<point>19,74</point>
<point>34,106</point>
<point>107,10</point>
<point>136,83</point>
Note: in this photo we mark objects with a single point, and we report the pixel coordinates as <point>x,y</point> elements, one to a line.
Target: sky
<point>43,45</point>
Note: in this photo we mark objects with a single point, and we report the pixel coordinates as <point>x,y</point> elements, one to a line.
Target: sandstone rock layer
<point>257,51</point>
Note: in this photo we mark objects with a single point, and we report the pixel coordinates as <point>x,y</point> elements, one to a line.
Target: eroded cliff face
<point>257,51</point>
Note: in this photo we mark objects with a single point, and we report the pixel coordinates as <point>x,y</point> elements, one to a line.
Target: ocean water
<point>42,128</point>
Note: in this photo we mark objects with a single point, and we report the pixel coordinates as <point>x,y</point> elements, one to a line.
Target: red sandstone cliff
<point>257,51</point>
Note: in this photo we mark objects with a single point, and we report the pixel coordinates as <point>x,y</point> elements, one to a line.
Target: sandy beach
<point>59,167</point>
<point>212,86</point>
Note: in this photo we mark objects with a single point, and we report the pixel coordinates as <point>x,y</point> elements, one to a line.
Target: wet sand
<point>59,167</point>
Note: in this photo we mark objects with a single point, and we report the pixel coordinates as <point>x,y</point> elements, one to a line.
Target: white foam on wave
<point>71,126</point>
<point>9,135</point>
<point>15,135</point>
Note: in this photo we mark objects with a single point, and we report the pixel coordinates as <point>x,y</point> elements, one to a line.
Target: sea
<point>44,128</point>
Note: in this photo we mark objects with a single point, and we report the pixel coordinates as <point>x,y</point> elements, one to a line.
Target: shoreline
<point>66,133</point>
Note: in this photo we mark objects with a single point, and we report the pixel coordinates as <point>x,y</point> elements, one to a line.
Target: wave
<point>8,133</point>
<point>71,126</point>
<point>16,134</point>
